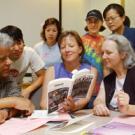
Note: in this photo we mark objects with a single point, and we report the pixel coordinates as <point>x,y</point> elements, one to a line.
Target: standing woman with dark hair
<point>48,48</point>
<point>114,15</point>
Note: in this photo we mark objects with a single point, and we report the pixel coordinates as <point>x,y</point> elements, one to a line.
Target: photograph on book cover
<point>81,86</point>
<point>56,97</point>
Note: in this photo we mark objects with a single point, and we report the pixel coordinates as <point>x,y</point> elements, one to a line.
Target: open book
<point>77,87</point>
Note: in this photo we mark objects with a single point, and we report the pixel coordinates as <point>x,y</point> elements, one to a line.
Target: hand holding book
<point>77,87</point>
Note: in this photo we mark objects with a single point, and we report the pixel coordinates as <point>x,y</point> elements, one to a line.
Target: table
<point>76,129</point>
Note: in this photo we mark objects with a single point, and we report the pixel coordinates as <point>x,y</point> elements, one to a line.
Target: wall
<point>30,14</point>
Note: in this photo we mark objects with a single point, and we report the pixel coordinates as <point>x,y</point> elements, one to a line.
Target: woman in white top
<point>118,91</point>
<point>48,48</point>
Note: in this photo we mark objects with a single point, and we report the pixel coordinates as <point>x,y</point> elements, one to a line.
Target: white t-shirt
<point>50,55</point>
<point>29,58</point>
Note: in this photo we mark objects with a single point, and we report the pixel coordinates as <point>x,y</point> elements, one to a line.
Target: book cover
<point>59,89</point>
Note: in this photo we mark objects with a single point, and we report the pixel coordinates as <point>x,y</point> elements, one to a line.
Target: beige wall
<point>29,14</point>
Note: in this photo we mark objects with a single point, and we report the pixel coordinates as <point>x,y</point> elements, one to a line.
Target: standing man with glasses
<point>114,15</point>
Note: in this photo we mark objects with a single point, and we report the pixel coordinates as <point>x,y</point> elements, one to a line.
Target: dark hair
<point>76,36</point>
<point>127,21</point>
<point>120,10</point>
<point>51,21</point>
<point>14,32</point>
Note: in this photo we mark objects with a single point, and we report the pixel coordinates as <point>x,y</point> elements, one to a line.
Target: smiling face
<point>51,33</point>
<point>16,50</point>
<point>94,25</point>
<point>70,50</point>
<point>111,57</point>
<point>5,62</point>
<point>113,20</point>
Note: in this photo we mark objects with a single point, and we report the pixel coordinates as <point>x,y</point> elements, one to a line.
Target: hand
<point>123,101</point>
<point>101,110</point>
<point>3,115</point>
<point>68,105</point>
<point>25,93</point>
<point>24,104</point>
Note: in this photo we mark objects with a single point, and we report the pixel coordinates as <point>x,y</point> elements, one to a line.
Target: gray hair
<point>123,45</point>
<point>5,40</point>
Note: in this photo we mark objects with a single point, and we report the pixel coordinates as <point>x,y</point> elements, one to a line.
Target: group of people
<point>110,59</point>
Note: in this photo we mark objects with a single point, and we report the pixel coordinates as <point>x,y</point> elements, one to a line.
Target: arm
<point>48,77</point>
<point>18,103</point>
<point>100,104</point>
<point>123,104</point>
<point>36,84</point>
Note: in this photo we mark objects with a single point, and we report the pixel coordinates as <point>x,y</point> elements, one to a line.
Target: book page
<point>55,116</point>
<point>72,121</point>
<point>57,91</point>
<point>82,81</point>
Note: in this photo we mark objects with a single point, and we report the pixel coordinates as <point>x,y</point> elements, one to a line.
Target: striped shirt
<point>9,87</point>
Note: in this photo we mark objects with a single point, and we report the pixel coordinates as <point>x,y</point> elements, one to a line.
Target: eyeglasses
<point>111,18</point>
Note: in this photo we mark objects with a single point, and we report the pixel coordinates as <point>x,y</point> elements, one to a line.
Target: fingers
<point>123,98</point>
<point>101,110</point>
<point>67,105</point>
<point>3,116</point>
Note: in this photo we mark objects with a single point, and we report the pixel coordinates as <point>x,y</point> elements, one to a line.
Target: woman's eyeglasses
<point>111,18</point>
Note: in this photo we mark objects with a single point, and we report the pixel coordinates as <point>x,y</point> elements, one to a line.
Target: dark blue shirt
<point>129,33</point>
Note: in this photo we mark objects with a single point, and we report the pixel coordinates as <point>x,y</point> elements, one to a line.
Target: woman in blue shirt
<point>72,51</point>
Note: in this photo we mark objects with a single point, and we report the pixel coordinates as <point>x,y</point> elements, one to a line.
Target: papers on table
<point>55,116</point>
<point>72,121</point>
<point>17,126</point>
<point>124,125</point>
<point>124,119</point>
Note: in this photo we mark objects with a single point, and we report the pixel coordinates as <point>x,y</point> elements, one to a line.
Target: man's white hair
<point>5,40</point>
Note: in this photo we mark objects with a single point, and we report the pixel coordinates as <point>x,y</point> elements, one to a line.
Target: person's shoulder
<point>130,29</point>
<point>102,37</point>
<point>132,70</point>
<point>85,65</point>
<point>110,76</point>
<point>28,49</point>
<point>57,65</point>
<point>85,35</point>
<point>39,44</point>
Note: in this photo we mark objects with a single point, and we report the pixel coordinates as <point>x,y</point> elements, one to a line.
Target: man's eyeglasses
<point>111,18</point>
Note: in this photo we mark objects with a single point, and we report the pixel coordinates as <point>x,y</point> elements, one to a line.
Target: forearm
<point>99,101</point>
<point>8,102</point>
<point>80,104</point>
<point>34,85</point>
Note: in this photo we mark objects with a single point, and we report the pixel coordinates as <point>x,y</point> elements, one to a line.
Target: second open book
<point>77,87</point>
